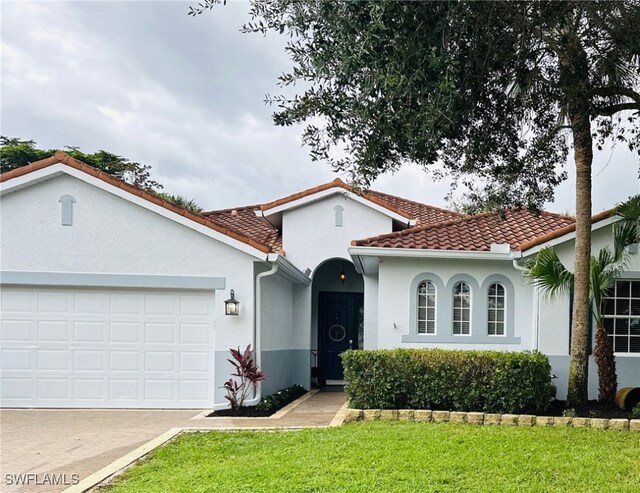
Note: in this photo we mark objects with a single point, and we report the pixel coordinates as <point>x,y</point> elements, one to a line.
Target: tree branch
<point>612,91</point>
<point>615,108</point>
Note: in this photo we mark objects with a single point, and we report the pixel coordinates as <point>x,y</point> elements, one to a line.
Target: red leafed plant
<point>248,373</point>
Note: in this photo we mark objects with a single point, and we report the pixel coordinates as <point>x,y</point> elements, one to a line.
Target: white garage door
<point>106,348</point>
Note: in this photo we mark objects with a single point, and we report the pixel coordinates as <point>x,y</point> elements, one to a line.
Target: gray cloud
<point>183,94</point>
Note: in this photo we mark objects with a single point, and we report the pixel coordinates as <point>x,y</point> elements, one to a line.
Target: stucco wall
<point>110,235</point>
<point>395,292</point>
<point>310,235</point>
<point>554,323</point>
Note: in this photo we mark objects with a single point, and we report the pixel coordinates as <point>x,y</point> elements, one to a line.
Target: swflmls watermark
<point>44,479</point>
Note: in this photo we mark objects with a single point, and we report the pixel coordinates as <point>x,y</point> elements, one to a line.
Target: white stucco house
<point>112,297</point>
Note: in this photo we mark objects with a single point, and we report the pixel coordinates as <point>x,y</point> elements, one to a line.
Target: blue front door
<point>340,319</point>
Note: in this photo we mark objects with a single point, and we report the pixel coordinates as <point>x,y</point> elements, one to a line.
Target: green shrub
<point>635,412</point>
<point>488,381</point>
<point>281,398</point>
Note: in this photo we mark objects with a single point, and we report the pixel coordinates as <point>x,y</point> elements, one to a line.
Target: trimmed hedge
<point>437,379</point>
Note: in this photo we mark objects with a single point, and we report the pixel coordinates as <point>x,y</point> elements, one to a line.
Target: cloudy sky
<point>185,95</point>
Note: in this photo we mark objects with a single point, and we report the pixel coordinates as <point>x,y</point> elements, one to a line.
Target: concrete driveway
<point>54,445</point>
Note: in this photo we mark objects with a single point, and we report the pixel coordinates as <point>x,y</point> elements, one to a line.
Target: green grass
<point>393,457</point>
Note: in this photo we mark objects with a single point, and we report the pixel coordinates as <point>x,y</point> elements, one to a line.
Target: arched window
<point>426,308</point>
<point>496,305</point>
<point>461,309</point>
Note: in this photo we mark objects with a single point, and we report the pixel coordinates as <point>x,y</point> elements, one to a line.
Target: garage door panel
<point>53,389</point>
<point>16,388</point>
<point>17,301</point>
<point>89,389</point>
<point>90,331</point>
<point>124,389</point>
<point>159,361</point>
<point>52,302</point>
<point>16,330</point>
<point>52,359</point>
<point>160,305</point>
<point>158,332</point>
<point>159,390</point>
<point>106,348</point>
<point>16,359</point>
<point>53,331</point>
<point>120,360</point>
<point>85,360</point>
<point>124,332</point>
<point>194,305</point>
<point>89,303</point>
<point>125,304</point>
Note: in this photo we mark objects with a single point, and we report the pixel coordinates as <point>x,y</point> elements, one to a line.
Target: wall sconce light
<point>343,275</point>
<point>232,306</point>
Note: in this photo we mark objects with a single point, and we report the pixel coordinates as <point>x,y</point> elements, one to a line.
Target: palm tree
<point>547,272</point>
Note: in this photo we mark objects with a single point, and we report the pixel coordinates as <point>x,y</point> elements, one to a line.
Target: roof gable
<point>29,174</point>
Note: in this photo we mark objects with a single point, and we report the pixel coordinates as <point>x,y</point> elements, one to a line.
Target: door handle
<point>350,343</point>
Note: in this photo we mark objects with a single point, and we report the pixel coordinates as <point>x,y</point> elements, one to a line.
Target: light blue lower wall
<point>627,368</point>
<point>283,369</point>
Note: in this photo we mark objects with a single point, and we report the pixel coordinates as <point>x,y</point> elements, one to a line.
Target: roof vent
<point>500,248</point>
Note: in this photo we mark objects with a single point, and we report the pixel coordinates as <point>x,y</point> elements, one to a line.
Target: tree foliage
<point>16,152</point>
<point>482,91</point>
<point>492,93</point>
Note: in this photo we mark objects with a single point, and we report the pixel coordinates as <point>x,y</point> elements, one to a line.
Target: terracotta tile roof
<point>425,214</point>
<point>563,231</point>
<point>244,219</point>
<point>338,183</point>
<point>61,157</point>
<point>473,233</point>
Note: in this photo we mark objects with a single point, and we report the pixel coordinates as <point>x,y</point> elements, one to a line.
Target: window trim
<point>444,311</point>
<point>413,335</point>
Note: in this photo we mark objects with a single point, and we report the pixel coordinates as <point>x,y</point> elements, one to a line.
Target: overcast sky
<point>185,95</point>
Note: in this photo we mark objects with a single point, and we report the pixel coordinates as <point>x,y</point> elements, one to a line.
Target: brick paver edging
<point>421,415</point>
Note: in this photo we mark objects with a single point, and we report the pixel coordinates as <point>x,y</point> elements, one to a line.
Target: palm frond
<point>627,231</point>
<point>603,272</point>
<point>548,273</point>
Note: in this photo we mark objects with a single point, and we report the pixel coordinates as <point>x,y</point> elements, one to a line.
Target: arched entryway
<point>338,316</point>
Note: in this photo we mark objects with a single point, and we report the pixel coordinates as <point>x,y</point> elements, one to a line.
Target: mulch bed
<point>593,409</point>
<point>253,411</point>
<point>243,412</point>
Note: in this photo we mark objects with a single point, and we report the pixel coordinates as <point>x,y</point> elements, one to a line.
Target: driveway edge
<point>119,464</point>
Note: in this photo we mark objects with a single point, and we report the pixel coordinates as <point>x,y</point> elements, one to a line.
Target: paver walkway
<point>75,441</point>
<point>318,410</point>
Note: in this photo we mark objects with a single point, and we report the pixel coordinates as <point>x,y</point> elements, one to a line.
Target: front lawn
<point>393,457</point>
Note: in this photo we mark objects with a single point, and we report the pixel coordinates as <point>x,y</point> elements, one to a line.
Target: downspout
<point>257,336</point>
<point>536,307</point>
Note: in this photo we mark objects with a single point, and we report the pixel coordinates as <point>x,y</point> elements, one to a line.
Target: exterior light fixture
<point>343,275</point>
<point>232,306</point>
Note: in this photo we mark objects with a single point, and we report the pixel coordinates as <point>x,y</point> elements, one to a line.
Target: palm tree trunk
<point>607,379</point>
<point>579,358</point>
